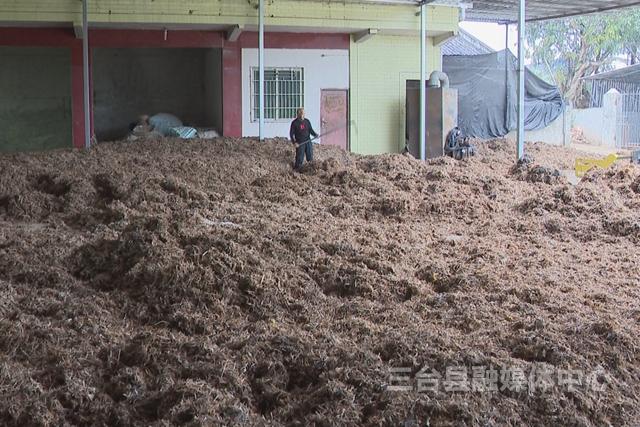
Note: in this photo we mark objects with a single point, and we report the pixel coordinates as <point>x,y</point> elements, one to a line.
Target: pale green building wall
<point>330,15</point>
<point>380,68</point>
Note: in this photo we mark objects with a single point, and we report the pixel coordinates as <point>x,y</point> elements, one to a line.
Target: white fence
<point>628,123</point>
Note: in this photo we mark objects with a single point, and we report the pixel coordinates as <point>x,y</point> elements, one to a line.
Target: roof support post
<point>521,76</point>
<point>506,71</point>
<point>506,35</point>
<point>423,81</point>
<point>261,69</point>
<point>85,74</point>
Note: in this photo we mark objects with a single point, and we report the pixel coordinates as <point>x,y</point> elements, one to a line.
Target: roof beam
<point>365,35</point>
<point>439,40</point>
<point>233,33</point>
<point>77,30</point>
<point>539,10</point>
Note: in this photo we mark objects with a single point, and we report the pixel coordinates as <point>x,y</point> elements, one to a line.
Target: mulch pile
<point>205,283</point>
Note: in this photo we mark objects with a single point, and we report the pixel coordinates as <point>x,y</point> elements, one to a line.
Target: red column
<point>77,104</point>
<point>232,90</point>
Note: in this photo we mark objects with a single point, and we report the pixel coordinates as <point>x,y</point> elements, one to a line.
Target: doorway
<point>35,98</point>
<point>334,113</point>
<point>129,82</point>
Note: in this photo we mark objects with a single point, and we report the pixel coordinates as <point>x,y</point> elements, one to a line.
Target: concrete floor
<point>598,150</point>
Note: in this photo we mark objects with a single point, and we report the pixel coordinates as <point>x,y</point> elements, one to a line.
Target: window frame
<point>253,93</point>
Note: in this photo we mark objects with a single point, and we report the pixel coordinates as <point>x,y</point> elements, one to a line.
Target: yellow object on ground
<point>585,165</point>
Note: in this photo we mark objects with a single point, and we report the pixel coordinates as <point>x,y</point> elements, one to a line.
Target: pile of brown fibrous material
<point>206,283</point>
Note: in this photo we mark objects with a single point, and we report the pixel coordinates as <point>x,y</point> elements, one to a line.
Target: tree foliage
<point>631,36</point>
<point>578,47</point>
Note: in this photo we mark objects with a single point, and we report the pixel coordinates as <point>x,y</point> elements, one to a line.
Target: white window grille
<point>283,92</point>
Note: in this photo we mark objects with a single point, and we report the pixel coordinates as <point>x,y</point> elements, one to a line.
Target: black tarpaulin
<point>488,97</point>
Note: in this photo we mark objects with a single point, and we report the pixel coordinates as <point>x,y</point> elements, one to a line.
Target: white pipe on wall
<point>521,76</point>
<point>423,81</point>
<point>261,69</point>
<point>85,74</point>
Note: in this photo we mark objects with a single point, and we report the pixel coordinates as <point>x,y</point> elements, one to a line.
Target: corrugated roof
<point>507,10</point>
<point>628,74</point>
<point>464,44</point>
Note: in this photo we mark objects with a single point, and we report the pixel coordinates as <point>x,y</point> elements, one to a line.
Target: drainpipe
<point>423,80</point>
<point>506,35</point>
<point>521,34</point>
<point>261,68</point>
<point>439,79</point>
<point>85,74</point>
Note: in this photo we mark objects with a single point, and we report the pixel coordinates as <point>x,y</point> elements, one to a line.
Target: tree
<point>578,47</point>
<point>631,36</point>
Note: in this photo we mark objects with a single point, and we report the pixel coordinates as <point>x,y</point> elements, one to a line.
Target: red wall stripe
<point>155,39</point>
<point>296,40</point>
<point>45,37</point>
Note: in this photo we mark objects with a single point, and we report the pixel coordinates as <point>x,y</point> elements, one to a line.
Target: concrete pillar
<point>612,109</point>
<point>77,97</point>
<point>567,118</point>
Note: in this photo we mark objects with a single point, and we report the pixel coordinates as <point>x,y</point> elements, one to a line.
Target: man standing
<point>300,134</point>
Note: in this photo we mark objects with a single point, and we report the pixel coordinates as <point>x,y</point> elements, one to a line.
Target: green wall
<point>380,68</point>
<point>35,98</point>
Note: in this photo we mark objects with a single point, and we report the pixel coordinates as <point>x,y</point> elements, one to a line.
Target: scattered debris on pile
<point>205,283</point>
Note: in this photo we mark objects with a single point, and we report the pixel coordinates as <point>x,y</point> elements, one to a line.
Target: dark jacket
<point>301,131</point>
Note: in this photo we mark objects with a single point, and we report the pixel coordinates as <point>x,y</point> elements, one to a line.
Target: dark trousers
<point>301,152</point>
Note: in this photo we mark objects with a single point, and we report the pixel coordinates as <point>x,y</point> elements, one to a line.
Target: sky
<point>492,34</point>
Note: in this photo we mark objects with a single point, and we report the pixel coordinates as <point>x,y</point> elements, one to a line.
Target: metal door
<point>334,118</point>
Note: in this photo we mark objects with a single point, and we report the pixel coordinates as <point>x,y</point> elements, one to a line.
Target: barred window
<point>283,93</point>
